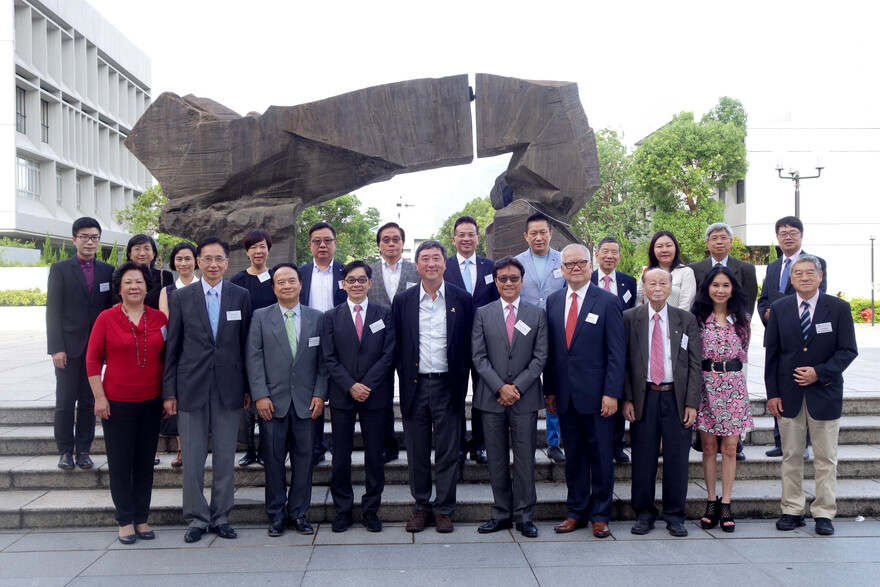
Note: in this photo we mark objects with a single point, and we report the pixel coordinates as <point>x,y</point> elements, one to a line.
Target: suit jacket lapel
<point>79,277</point>
<point>641,334</point>
<point>276,325</point>
<point>225,305</point>
<point>450,317</point>
<point>819,316</point>
<point>675,336</point>
<point>198,294</point>
<point>589,302</point>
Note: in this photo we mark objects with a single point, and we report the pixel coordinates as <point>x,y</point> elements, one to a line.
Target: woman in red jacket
<point>129,340</point>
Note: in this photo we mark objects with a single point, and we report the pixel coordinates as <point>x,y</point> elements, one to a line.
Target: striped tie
<point>805,318</point>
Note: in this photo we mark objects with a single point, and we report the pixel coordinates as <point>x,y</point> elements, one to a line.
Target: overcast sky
<point>636,63</point>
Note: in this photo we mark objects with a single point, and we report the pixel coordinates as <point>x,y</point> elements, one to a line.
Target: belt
<point>433,375</point>
<point>722,366</point>
<point>661,387</point>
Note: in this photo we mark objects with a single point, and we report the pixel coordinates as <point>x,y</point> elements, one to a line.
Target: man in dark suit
<point>321,289</point>
<point>777,284</point>
<point>624,287</point>
<point>509,348</point>
<point>358,345</point>
<point>288,381</point>
<point>661,396</point>
<point>205,384</point>
<point>810,341</point>
<point>432,327</point>
<point>583,383</point>
<point>472,273</point>
<point>391,275</point>
<point>78,290</point>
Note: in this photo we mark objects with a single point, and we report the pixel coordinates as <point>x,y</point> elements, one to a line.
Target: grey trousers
<point>514,498</point>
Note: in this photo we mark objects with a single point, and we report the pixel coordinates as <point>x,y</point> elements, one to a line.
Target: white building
<point>75,87</point>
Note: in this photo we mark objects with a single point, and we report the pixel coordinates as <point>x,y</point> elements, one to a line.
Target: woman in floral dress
<point>725,412</point>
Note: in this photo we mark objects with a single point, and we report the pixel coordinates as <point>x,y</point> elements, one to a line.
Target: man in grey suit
<point>509,349</point>
<point>288,381</point>
<point>205,384</point>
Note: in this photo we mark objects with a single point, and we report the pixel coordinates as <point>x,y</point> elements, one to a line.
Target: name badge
<point>684,341</point>
<point>409,284</point>
<point>592,318</point>
<point>233,315</point>
<point>264,276</point>
<point>314,341</point>
<point>823,328</point>
<point>377,326</point>
<point>627,296</point>
<point>557,273</point>
<point>522,327</point>
<point>164,331</point>
<point>102,287</point>
<point>488,279</point>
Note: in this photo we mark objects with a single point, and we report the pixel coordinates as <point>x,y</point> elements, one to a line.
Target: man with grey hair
<point>719,239</point>
<point>810,340</point>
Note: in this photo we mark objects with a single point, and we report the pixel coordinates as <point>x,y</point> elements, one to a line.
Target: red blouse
<point>112,342</point>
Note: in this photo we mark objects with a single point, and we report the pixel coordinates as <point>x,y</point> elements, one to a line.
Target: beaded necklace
<point>136,347</point>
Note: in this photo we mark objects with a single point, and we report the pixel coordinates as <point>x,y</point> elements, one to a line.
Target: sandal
<point>177,462</point>
<point>711,514</point>
<point>727,523</point>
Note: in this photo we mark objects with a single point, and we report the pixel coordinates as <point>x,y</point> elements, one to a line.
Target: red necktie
<point>509,323</point>
<point>358,321</point>
<point>572,320</point>
<point>607,280</point>
<point>657,352</point>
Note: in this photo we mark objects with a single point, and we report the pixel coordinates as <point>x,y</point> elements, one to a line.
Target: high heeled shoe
<point>712,514</point>
<point>727,523</point>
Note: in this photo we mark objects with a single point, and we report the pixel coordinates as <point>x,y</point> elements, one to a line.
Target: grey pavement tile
<point>33,565</point>
<point>357,534</point>
<point>166,538</point>
<point>808,550</point>
<point>756,529</point>
<point>200,560</point>
<point>828,573</point>
<point>64,541</point>
<point>463,534</point>
<point>17,499</point>
<point>205,579</point>
<point>258,536</point>
<point>9,538</point>
<point>422,577</point>
<point>660,574</point>
<point>847,528</point>
<point>31,582</point>
<point>397,557</point>
<point>621,531</point>
<point>622,552</point>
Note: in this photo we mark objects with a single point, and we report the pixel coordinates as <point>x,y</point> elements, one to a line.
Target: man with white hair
<point>719,240</point>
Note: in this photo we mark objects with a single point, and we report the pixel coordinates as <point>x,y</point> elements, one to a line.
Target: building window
<point>96,199</point>
<point>44,121</point>
<point>20,111</point>
<point>27,178</point>
<point>741,192</point>
<point>79,198</point>
<point>58,199</point>
<point>722,195</point>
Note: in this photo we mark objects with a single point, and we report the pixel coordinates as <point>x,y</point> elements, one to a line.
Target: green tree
<point>355,230</point>
<point>142,217</point>
<point>480,209</point>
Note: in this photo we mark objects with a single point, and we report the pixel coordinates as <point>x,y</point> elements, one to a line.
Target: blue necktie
<point>784,279</point>
<point>805,318</point>
<point>466,276</point>
<point>213,311</point>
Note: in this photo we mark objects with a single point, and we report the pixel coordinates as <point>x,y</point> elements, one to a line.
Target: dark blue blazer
<point>368,361</point>
<point>770,289</point>
<point>71,310</point>
<point>305,276</point>
<point>484,293</point>
<point>829,353</point>
<point>459,321</point>
<point>594,365</point>
<point>625,283</point>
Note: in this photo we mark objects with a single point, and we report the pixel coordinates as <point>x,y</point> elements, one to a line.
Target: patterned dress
<point>724,406</point>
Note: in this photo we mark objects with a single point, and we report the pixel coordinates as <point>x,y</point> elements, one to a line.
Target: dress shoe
<point>462,457</point>
<point>601,530</point>
<point>478,455</point>
<point>677,529</point>
<point>555,454</point>
<point>66,462</point>
<point>249,458</point>
<point>156,461</point>
<point>276,528</point>
<point>130,539</point>
<point>776,451</point>
<point>418,521</point>
<point>83,461</point>
<point>318,457</point>
<point>387,457</point>
<point>341,523</point>
<point>807,454</point>
<point>824,526</point>
<point>642,527</point>
<point>740,456</point>
<point>224,531</point>
<point>193,534</point>
<point>302,526</point>
<point>372,522</point>
<point>527,529</point>
<point>494,525</point>
<point>443,523</point>
<point>568,525</point>
<point>148,535</point>
<point>789,522</point>
<point>620,456</point>
<point>178,461</point>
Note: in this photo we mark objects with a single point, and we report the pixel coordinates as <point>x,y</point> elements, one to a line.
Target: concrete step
<point>68,508</point>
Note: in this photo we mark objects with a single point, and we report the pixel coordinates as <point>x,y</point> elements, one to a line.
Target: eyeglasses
<point>506,278</point>
<point>571,264</point>
<point>318,241</point>
<point>363,279</point>
<point>789,233</point>
<point>392,239</point>
<point>466,234</point>
<point>89,237</point>
<point>719,239</point>
<point>212,260</point>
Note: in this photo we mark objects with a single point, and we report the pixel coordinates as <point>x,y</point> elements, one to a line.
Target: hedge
<point>22,297</point>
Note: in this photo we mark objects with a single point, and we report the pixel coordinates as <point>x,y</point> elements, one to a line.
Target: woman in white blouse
<point>665,253</point>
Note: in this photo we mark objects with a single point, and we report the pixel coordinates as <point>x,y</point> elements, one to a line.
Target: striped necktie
<point>805,318</point>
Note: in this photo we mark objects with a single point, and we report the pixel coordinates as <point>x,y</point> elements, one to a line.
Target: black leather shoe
<point>555,454</point>
<point>824,526</point>
<point>193,534</point>
<point>83,461</point>
<point>302,526</point>
<point>224,531</point>
<point>66,462</point>
<point>740,456</point>
<point>494,525</point>
<point>341,523</point>
<point>148,535</point>
<point>372,522</point>
<point>479,456</point>
<point>677,529</point>
<point>318,457</point>
<point>527,529</point>
<point>276,528</point>
<point>249,458</point>
<point>776,451</point>
<point>642,527</point>
<point>130,539</point>
<point>789,522</point>
<point>620,457</point>
<point>462,457</point>
<point>387,457</point>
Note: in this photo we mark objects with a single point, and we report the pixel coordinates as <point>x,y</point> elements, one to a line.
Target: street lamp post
<point>872,280</point>
<point>796,177</point>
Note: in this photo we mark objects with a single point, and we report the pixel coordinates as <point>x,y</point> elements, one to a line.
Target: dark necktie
<point>805,318</point>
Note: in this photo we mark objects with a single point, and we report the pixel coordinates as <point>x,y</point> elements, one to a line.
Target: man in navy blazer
<point>583,383</point>
<point>472,273</point>
<point>623,286</point>
<point>358,345</point>
<point>810,341</point>
<point>205,384</point>
<point>78,290</point>
<point>432,327</point>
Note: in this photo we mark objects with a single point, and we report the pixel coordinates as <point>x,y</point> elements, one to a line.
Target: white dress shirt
<point>321,289</point>
<point>391,277</point>
<point>667,355</point>
<point>351,311</point>
<point>722,261</point>
<point>812,303</point>
<point>472,268</point>
<point>612,285</point>
<point>580,301</point>
<point>432,331</point>
<point>179,284</point>
<point>296,320</point>
<point>218,288</point>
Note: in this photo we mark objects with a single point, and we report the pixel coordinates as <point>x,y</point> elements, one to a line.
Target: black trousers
<point>73,397</point>
<point>372,431</point>
<point>131,434</point>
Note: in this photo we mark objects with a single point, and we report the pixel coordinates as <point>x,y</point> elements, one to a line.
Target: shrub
<point>858,306</point>
<point>22,297</point>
